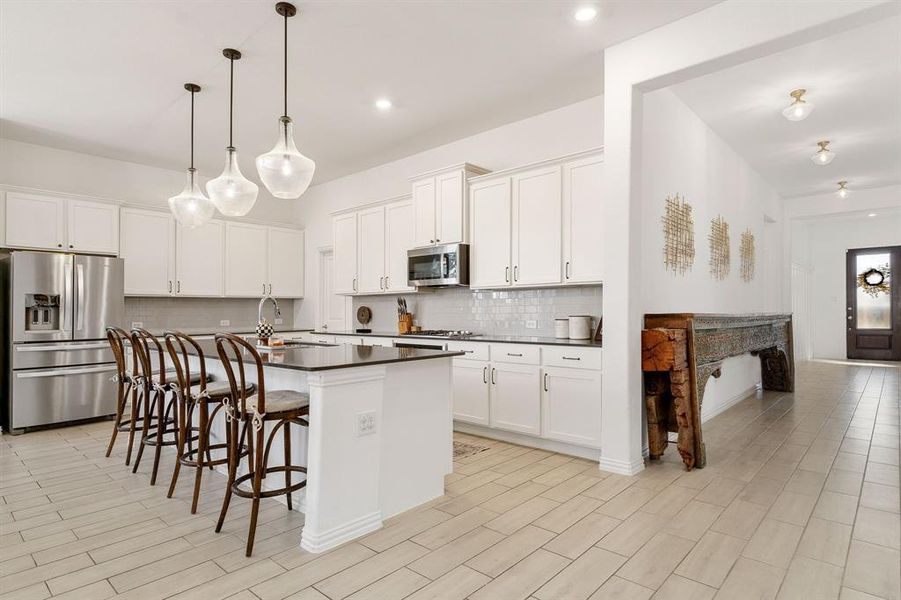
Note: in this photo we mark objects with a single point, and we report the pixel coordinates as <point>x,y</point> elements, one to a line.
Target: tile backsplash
<point>488,312</point>
<point>201,313</point>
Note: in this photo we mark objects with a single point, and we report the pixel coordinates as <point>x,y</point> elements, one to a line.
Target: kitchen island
<point>380,434</point>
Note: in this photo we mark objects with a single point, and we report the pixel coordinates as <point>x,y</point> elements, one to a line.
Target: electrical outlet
<point>365,423</point>
<point>137,325</point>
<point>279,321</point>
<point>224,323</point>
<point>531,324</point>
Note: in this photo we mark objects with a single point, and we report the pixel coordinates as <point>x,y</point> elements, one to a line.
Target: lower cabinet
<point>571,405</point>
<point>515,398</point>
<point>471,391</point>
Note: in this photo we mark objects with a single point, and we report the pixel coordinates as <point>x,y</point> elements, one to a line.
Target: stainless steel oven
<point>438,266</point>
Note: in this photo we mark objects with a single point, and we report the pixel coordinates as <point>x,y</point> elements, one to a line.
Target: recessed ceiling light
<point>800,109</point>
<point>824,155</point>
<point>383,104</point>
<point>871,215</point>
<point>585,14</point>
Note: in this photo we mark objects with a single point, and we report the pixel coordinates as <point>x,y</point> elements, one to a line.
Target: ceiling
<point>105,78</point>
<point>854,81</point>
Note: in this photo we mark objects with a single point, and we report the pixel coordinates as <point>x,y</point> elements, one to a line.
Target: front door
<point>874,303</point>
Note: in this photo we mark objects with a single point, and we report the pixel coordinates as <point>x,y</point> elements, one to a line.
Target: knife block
<point>405,324</point>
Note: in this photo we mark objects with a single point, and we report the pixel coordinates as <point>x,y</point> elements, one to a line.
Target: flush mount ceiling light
<point>232,193</point>
<point>285,172</point>
<point>191,208</point>
<point>585,14</point>
<point>824,155</point>
<point>800,109</point>
<point>871,215</point>
<point>842,191</point>
<point>383,104</point>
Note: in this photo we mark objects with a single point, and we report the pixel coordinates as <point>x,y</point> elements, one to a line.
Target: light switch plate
<point>365,423</point>
<point>224,323</point>
<point>137,325</point>
<point>279,321</point>
<point>531,324</point>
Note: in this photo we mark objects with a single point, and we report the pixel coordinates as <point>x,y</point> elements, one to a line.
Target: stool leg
<point>148,406</point>
<point>288,461</point>
<point>120,408</point>
<point>131,425</point>
<point>180,441</point>
<point>234,443</point>
<point>202,443</point>
<point>160,431</point>
<point>258,469</point>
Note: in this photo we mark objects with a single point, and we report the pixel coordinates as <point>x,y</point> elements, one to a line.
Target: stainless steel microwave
<point>438,266</point>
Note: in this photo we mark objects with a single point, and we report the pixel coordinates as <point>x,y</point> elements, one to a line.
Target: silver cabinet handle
<point>270,289</point>
<point>170,286</point>
<point>572,358</point>
<point>178,286</point>
<point>431,241</point>
<point>382,283</point>
<point>264,289</point>
<point>493,373</point>
<point>566,270</point>
<point>516,273</point>
<point>386,282</point>
<point>514,354</point>
<point>484,374</point>
<point>437,240</point>
<point>545,382</point>
<point>507,274</point>
<point>355,284</point>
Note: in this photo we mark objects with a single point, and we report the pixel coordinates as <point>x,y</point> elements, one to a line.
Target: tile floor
<point>800,501</point>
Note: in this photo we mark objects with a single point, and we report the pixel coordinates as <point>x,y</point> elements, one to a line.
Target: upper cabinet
<point>538,225</point>
<point>148,248</point>
<point>344,253</point>
<point>286,262</point>
<point>53,223</point>
<point>398,239</point>
<point>263,260</point>
<point>199,260</point>
<point>440,205</point>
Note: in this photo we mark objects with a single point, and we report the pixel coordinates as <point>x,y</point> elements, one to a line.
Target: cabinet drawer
<point>378,341</point>
<point>324,339</point>
<point>523,354</point>
<point>578,358</point>
<point>473,350</point>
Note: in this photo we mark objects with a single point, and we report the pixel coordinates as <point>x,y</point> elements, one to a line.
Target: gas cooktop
<point>449,333</point>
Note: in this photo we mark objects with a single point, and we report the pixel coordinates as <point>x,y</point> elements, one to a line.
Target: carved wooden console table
<point>679,353</point>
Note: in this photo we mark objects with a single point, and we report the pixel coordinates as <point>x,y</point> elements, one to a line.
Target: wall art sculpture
<point>719,248</point>
<point>678,236</point>
<point>746,252</point>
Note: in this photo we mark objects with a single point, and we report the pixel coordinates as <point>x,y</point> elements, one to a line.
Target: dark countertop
<point>199,331</point>
<point>506,339</point>
<point>323,357</point>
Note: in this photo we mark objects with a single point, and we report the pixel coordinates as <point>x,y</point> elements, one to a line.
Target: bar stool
<point>119,339</point>
<point>199,398</point>
<point>280,407</point>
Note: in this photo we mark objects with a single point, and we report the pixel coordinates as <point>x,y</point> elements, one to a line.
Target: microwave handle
<point>445,266</point>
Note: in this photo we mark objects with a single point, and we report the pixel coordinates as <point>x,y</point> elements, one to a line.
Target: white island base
<point>359,475</point>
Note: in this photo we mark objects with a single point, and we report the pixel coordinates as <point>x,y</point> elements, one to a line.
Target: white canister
<point>561,328</point>
<point>579,327</point>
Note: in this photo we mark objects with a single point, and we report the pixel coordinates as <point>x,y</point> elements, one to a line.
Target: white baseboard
<point>528,440</point>
<point>751,391</point>
<point>621,467</point>
<point>320,542</point>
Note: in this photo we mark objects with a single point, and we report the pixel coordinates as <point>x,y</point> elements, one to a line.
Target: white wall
<point>681,154</point>
<point>52,170</point>
<point>820,246</point>
<point>555,133</point>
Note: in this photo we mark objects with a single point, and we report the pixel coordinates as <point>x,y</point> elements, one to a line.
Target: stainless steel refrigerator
<point>58,365</point>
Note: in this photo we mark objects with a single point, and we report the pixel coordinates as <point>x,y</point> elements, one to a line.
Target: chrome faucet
<point>278,311</point>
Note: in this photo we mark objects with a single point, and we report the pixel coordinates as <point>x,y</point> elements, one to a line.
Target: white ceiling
<point>854,80</point>
<point>105,78</point>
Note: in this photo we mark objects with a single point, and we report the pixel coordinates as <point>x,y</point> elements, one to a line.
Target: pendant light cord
<point>231,98</point>
<point>286,65</point>
<point>192,130</point>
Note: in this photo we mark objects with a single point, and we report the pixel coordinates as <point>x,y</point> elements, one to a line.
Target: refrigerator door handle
<point>58,372</point>
<point>61,347</point>
<point>79,300</point>
<point>67,293</point>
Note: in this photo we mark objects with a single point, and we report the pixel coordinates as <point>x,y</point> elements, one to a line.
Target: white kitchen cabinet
<point>344,248</point>
<point>441,205</point>
<point>371,250</point>
<point>147,245</point>
<point>489,254</point>
<point>51,223</point>
<point>472,391</point>
<point>399,237</point>
<point>200,260</point>
<point>571,405</point>
<point>515,398</point>
<point>92,227</point>
<point>286,261</point>
<point>246,260</point>
<point>536,225</point>
<point>582,220</point>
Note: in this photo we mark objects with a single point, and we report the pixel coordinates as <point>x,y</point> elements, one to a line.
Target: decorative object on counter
<point>285,172</point>
<point>404,317</point>
<point>464,450</point>
<point>561,328</point>
<point>232,193</point>
<point>719,248</point>
<point>364,316</point>
<point>264,332</point>
<point>746,252</point>
<point>599,331</point>
<point>580,327</point>
<point>679,354</point>
<point>678,236</point>
<point>190,207</point>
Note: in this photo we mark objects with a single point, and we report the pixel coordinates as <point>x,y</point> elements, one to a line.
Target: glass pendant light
<point>824,155</point>
<point>285,172</point>
<point>232,193</point>
<point>191,208</point>
<point>842,191</point>
<point>800,109</point>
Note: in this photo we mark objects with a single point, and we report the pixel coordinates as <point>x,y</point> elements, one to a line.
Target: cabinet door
<point>199,260</point>
<point>246,256</point>
<point>344,248</point>
<point>286,262</point>
<point>582,226</point>
<point>93,227</point>
<point>537,220</point>
<point>35,221</point>
<point>471,391</point>
<point>399,239</point>
<point>424,212</point>
<point>571,405</point>
<point>371,250</point>
<point>489,255</point>
<point>148,249</point>
<point>450,208</point>
<point>515,398</point>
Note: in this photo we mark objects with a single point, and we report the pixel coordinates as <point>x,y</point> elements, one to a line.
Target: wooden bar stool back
<point>120,344</point>
<point>196,399</point>
<point>280,408</point>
